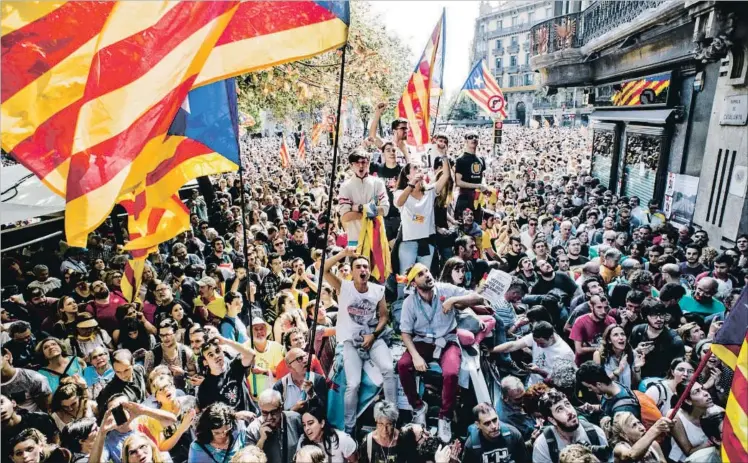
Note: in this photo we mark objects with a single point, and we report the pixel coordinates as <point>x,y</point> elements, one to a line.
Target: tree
<point>462,107</point>
<point>377,66</point>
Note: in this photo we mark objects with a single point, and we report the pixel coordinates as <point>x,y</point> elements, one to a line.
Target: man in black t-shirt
<point>490,441</point>
<point>469,170</point>
<point>388,171</point>
<point>129,379</point>
<point>550,279</point>
<point>225,379</point>
<point>14,420</point>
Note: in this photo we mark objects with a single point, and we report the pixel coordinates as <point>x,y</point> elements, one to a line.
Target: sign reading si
<point>734,110</point>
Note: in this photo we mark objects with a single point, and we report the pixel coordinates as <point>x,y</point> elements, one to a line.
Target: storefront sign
<point>734,110</point>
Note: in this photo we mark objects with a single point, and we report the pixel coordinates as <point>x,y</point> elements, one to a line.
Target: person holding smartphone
<point>658,343</point>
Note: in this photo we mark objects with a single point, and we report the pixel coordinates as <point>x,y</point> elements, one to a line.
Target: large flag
<point>729,339</point>
<point>424,83</point>
<point>70,72</point>
<point>317,130</point>
<point>285,159</point>
<point>731,346</point>
<point>302,147</point>
<point>485,91</point>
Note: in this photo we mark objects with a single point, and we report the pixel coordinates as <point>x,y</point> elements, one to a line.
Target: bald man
<point>296,390</point>
<point>702,300</point>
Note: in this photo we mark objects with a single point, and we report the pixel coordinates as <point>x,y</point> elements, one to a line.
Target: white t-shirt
<point>345,448</point>
<point>546,357</point>
<point>356,310</point>
<point>417,215</point>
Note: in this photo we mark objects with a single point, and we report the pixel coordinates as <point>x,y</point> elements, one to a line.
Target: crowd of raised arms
<point>609,308</point>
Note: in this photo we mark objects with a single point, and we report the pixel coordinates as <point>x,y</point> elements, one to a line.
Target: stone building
<point>667,80</point>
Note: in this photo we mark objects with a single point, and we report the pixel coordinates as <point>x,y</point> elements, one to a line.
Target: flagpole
<point>328,215</point>
<point>436,116</point>
<point>694,378</point>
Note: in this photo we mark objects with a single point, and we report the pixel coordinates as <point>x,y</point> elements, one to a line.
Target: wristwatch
<point>360,208</point>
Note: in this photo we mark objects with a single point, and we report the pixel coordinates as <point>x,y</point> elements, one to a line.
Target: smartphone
<point>119,415</point>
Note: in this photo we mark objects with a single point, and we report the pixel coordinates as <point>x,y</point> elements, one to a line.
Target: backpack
<point>649,410</point>
<point>550,438</point>
<point>661,390</point>
<point>158,356</point>
<point>474,435</point>
<point>233,325</point>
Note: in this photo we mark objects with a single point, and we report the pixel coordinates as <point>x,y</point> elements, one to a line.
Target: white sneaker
<point>444,430</point>
<point>419,415</point>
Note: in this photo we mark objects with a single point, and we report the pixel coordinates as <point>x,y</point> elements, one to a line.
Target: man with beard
<point>702,300</point>
<point>515,253</point>
<point>565,429</point>
<point>490,440</point>
<point>175,355</point>
<point>361,195</point>
<point>659,344</point>
<point>104,306</point>
<point>399,133</point>
<point>219,256</point>
<point>550,279</point>
<point>588,329</point>
<point>721,274</point>
<point>692,268</point>
<point>165,301</point>
<point>469,168</point>
<point>574,251</point>
<point>362,318</point>
<point>438,149</point>
<point>428,327</point>
<point>225,379</point>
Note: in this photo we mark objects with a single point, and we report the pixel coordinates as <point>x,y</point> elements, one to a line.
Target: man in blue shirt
<point>615,397</point>
<point>429,330</point>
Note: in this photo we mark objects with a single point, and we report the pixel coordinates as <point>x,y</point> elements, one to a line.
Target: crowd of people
<point>242,346</point>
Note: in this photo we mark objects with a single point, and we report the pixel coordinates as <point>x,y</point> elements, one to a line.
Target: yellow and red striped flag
<point>373,244</point>
<point>285,159</point>
<point>70,70</point>
<point>425,83</point>
<point>302,147</point>
<point>316,132</point>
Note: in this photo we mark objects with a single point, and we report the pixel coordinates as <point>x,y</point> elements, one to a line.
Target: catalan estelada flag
<point>482,88</point>
<point>731,346</point>
<point>302,147</point>
<point>71,71</point>
<point>647,88</point>
<point>317,130</point>
<point>285,159</point>
<point>424,83</point>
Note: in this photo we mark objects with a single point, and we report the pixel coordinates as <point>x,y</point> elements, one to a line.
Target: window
<point>513,60</point>
<point>527,59</point>
<point>513,81</point>
<point>515,20</point>
<point>498,64</point>
<point>514,40</point>
<point>500,23</point>
<point>498,43</point>
<point>548,12</point>
<point>530,16</point>
<point>529,79</point>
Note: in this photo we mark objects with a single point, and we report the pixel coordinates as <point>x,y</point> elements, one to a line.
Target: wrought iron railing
<point>513,48</point>
<point>577,29</point>
<point>526,45</point>
<point>498,51</point>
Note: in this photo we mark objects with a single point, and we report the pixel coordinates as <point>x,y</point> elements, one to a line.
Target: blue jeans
<point>408,254</point>
<point>499,337</point>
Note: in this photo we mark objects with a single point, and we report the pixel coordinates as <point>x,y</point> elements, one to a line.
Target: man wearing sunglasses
<point>469,169</point>
<point>400,131</point>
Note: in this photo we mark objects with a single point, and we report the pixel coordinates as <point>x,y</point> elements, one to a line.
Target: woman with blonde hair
<point>70,402</point>
<point>630,439</point>
<point>310,454</point>
<point>138,448</point>
<point>251,454</point>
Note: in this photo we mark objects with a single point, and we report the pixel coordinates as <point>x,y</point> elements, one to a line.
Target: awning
<point>647,116</point>
<point>24,196</point>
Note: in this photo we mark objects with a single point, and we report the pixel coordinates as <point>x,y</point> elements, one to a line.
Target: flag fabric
<point>267,33</point>
<point>735,426</point>
<point>729,339</point>
<point>316,132</point>
<point>482,88</point>
<point>70,71</point>
<point>284,157</point>
<point>633,91</point>
<point>302,147</point>
<point>425,82</point>
<point>373,244</point>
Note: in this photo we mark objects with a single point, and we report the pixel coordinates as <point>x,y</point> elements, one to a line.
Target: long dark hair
<point>402,179</point>
<point>329,436</point>
<point>606,348</point>
<point>451,264</point>
<point>215,416</point>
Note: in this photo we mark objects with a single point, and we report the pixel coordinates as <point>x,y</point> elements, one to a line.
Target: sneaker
<point>419,415</point>
<point>445,430</point>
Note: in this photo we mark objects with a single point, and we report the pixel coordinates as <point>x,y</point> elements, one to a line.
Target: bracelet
<point>411,186</point>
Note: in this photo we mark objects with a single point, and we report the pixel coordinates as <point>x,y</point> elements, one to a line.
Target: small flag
<point>302,147</point>
<point>317,132</point>
<point>284,158</point>
<point>482,88</point>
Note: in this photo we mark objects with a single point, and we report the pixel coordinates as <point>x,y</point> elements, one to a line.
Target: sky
<point>414,21</point>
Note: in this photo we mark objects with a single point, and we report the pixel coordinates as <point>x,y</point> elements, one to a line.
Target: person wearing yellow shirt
<point>268,355</point>
<point>210,299</point>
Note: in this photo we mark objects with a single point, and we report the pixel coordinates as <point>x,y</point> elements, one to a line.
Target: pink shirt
<point>589,333</point>
<point>105,313</point>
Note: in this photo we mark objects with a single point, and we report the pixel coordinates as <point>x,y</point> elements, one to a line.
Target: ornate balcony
<point>513,48</point>
<point>526,45</point>
<point>498,51</point>
<point>604,16</point>
<point>556,34</point>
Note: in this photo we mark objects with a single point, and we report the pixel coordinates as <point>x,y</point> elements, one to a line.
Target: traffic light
<point>497,128</point>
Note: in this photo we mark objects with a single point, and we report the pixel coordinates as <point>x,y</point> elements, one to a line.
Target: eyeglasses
<point>300,358</point>
<point>279,244</point>
<point>267,413</point>
<point>471,137</point>
<point>658,315</point>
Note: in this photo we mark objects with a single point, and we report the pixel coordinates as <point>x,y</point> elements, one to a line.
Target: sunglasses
<point>471,137</point>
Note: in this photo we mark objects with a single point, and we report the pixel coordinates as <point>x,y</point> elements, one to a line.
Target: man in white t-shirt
<point>548,349</point>
<point>362,317</point>
<point>361,194</point>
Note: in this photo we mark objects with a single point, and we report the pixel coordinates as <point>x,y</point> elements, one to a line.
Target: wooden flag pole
<point>328,214</point>
<point>694,378</point>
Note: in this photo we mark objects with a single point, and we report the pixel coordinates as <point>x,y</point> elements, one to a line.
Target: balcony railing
<point>498,51</point>
<point>505,31</point>
<point>511,69</point>
<point>524,68</point>
<point>575,30</point>
<point>526,45</point>
<point>513,48</point>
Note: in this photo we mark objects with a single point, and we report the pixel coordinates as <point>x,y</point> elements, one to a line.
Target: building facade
<point>502,38</point>
<point>667,81</point>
